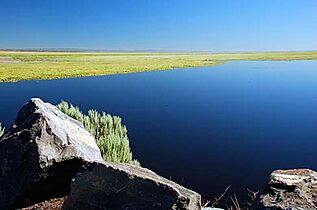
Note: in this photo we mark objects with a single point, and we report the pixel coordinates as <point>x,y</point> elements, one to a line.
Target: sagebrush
<point>111,136</point>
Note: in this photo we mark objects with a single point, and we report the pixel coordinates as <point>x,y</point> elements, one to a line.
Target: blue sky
<point>213,25</point>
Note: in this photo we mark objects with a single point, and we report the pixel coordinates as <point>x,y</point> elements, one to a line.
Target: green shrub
<point>1,130</point>
<point>111,136</point>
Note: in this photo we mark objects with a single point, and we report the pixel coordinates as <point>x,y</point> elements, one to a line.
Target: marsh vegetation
<point>52,65</point>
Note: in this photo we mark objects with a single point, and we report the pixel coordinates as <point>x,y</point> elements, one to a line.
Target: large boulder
<point>41,154</point>
<point>103,186</point>
<point>45,150</point>
<point>290,189</point>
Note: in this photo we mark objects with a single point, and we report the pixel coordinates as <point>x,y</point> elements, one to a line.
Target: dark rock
<point>106,185</point>
<point>290,189</point>
<point>40,155</point>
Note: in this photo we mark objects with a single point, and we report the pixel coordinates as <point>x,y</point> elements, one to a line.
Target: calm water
<point>207,127</point>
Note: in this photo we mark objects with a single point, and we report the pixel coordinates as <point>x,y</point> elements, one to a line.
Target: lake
<point>204,127</point>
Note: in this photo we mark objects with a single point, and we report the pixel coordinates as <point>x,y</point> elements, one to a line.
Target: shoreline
<point>18,66</point>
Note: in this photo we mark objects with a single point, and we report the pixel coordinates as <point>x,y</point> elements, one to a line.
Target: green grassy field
<point>16,66</point>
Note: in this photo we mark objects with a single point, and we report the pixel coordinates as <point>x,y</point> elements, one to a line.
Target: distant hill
<point>94,50</point>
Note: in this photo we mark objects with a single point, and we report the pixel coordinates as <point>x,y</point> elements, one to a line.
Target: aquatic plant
<point>1,130</point>
<point>111,136</point>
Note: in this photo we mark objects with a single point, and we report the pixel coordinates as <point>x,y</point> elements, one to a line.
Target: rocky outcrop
<point>47,157</point>
<point>40,155</point>
<point>121,186</point>
<point>45,149</point>
<point>290,189</point>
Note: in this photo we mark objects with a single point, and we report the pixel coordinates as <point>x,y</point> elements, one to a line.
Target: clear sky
<point>213,25</point>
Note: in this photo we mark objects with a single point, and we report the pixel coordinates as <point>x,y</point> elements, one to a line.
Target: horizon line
<point>142,51</point>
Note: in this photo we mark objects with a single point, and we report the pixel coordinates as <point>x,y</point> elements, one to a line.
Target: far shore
<point>23,65</point>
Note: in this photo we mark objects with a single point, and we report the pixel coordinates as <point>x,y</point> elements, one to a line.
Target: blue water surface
<point>205,127</point>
